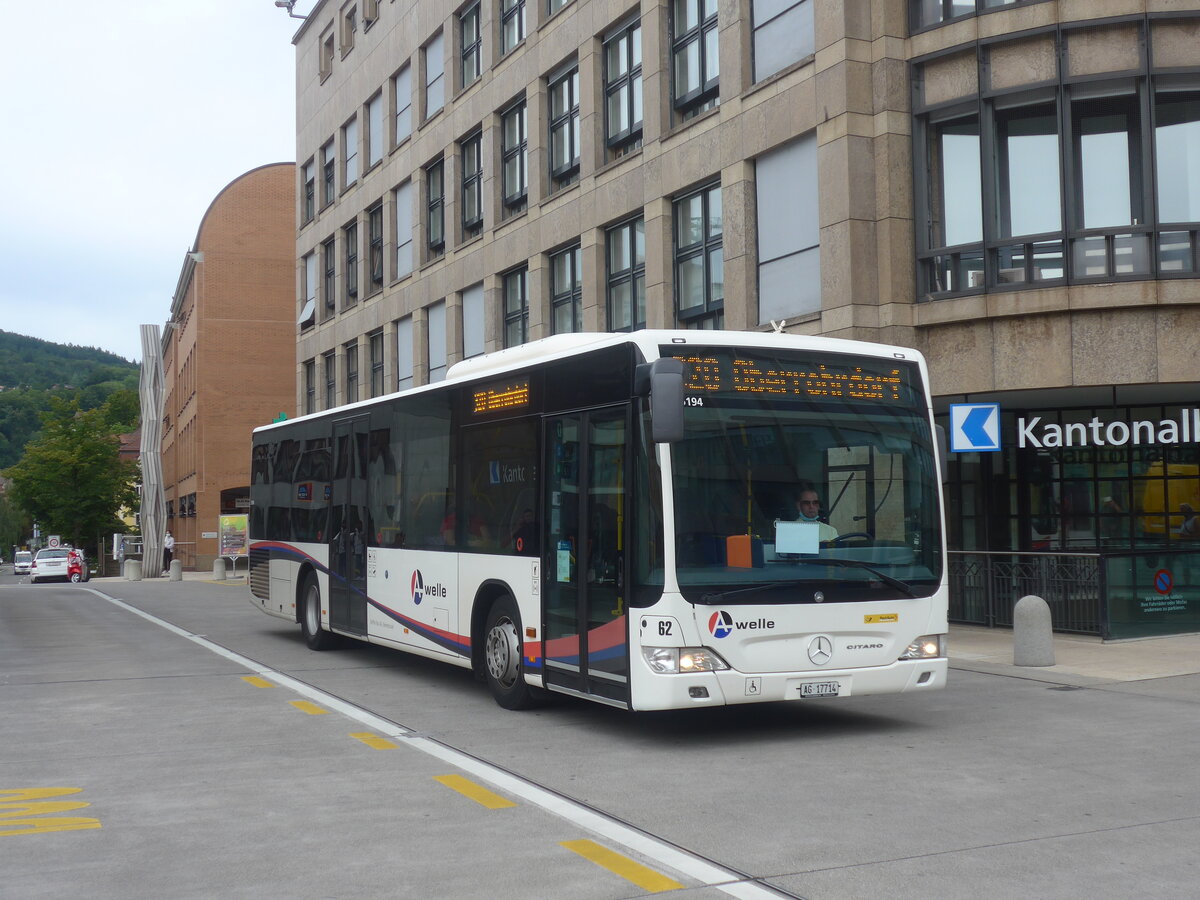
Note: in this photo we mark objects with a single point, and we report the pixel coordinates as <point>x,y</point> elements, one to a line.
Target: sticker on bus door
<point>564,561</point>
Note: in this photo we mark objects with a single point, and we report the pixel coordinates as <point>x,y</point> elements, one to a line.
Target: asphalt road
<point>218,757</point>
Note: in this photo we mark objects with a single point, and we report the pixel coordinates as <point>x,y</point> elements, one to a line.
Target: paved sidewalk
<point>1079,659</point>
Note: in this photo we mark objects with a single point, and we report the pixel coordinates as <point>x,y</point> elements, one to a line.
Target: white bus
<point>615,516</point>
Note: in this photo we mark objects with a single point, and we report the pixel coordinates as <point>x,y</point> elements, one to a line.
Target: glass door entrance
<point>586,647</point>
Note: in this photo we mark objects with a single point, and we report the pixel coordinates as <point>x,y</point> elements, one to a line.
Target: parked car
<point>49,563</point>
<point>22,561</point>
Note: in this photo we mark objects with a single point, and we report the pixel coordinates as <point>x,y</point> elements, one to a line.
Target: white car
<point>50,563</point>
<point>22,561</point>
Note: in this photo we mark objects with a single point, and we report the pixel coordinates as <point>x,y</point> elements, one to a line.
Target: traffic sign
<point>974,427</point>
<point>53,542</point>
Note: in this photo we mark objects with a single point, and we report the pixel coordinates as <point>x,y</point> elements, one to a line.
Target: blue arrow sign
<point>974,427</point>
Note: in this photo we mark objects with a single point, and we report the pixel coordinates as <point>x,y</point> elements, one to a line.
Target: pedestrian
<point>168,552</point>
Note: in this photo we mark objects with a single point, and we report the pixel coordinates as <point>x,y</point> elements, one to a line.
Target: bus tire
<point>310,615</point>
<point>503,666</point>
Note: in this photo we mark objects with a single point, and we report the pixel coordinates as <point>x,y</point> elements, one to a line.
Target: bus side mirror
<point>662,381</point>
<point>943,449</point>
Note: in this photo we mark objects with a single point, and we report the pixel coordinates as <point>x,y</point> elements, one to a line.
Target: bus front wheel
<point>310,615</point>
<point>502,657</point>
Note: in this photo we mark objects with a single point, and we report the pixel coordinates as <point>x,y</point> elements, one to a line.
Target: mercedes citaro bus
<point>617,517</point>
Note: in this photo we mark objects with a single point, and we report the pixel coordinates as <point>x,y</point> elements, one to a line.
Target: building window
<point>309,314</point>
<point>402,197</point>
<point>516,308</point>
<point>310,386</point>
<point>436,341</point>
<point>626,275</point>
<point>375,250</point>
<point>564,128</point>
<point>374,130</point>
<point>623,89</point>
<point>474,321</point>
<point>555,5</point>
<point>512,24</point>
<point>329,285</point>
<point>376,344</point>
<point>472,44</point>
<point>515,154</point>
<point>566,290</point>
<point>1045,185</point>
<point>350,152</point>
<point>349,28</point>
<point>370,12</point>
<point>404,353</point>
<point>1176,149</point>
<point>351,353</point>
<point>436,210</point>
<point>783,35</point>
<point>402,91</point>
<point>328,172</point>
<point>696,63</point>
<point>325,63</point>
<point>472,186</point>
<point>435,86</point>
<point>350,236</point>
<point>330,365</point>
<point>699,265</point>
<point>926,13</point>
<point>309,199</point>
<point>789,232</point>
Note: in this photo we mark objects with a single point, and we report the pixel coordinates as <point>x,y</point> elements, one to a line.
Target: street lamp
<point>288,4</point>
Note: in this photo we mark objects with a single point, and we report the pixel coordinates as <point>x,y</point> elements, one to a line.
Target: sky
<point>123,120</point>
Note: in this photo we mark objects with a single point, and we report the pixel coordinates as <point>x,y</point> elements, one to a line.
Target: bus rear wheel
<point>503,667</point>
<point>310,615</point>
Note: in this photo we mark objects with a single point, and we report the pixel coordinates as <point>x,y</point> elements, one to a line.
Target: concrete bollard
<point>1033,633</point>
<point>218,569</point>
<point>133,570</point>
<point>176,570</point>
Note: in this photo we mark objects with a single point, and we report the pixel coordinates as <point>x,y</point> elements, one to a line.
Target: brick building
<point>228,354</point>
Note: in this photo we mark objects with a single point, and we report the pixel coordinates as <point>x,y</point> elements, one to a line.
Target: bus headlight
<point>682,660</point>
<point>927,646</point>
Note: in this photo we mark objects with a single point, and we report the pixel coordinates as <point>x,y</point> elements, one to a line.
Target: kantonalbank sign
<point>975,428</point>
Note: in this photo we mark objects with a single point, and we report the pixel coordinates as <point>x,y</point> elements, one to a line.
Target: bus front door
<point>584,618</point>
<point>348,527</point>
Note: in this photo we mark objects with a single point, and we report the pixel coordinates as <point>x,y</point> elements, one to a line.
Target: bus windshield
<point>804,478</point>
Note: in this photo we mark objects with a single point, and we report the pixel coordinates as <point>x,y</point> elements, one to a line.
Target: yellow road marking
<point>479,794</point>
<point>311,708</point>
<point>25,811</point>
<point>256,681</point>
<point>645,878</point>
<point>373,741</point>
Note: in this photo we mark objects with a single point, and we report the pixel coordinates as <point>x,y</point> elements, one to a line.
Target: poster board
<point>234,531</point>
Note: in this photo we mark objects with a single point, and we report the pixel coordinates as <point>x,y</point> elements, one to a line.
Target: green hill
<point>32,371</point>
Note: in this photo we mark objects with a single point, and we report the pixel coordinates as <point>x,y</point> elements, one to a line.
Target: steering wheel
<point>853,534</point>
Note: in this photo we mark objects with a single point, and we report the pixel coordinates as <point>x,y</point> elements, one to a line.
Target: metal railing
<point>985,586</point>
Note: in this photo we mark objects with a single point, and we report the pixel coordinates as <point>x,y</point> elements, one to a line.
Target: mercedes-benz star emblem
<point>820,650</point>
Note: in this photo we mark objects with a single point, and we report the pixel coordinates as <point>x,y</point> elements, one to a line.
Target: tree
<point>72,479</point>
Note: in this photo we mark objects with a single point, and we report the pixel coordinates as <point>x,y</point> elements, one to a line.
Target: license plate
<point>817,689</point>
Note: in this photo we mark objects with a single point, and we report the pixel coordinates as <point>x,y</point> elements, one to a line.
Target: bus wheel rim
<point>503,653</point>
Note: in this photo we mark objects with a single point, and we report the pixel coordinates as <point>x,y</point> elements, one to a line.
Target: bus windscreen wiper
<point>899,585</point>
<point>719,596</point>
